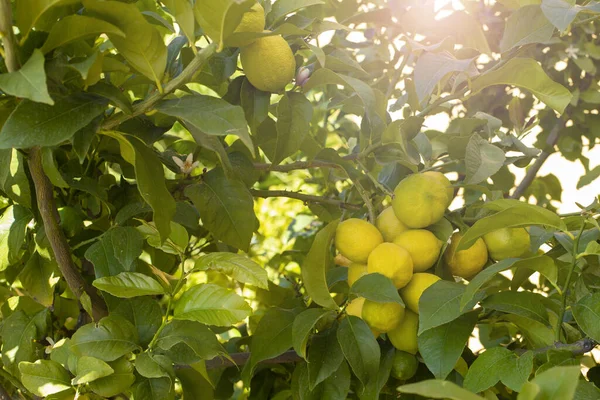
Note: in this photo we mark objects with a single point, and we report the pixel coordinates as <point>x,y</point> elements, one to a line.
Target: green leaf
<point>13,179</point>
<point>359,347</point>
<point>44,377</point>
<point>219,19</point>
<point>376,287</point>
<point>29,81</point>
<point>34,124</point>
<point>183,12</point>
<point>226,208</point>
<point>482,160</point>
<point>281,8</point>
<point>142,46</point>
<point>526,73</point>
<point>144,313</point>
<point>304,323</point>
<point>153,365</point>
<point>117,382</point>
<point>116,251</point>
<point>294,113</point>
<point>499,364</point>
<point>525,304</point>
<point>432,67</point>
<point>543,264</point>
<point>272,337</point>
<point>154,389</point>
<point>315,266</point>
<point>29,12</point>
<point>175,244</point>
<point>438,389</point>
<point>212,305</point>
<point>561,13</point>
<point>255,104</point>
<point>109,339</point>
<point>51,168</point>
<point>555,383</point>
<point>13,230</point>
<point>587,314</point>
<point>237,266</point>
<point>75,27</point>
<point>402,130</point>
<point>589,177</point>
<point>442,346</point>
<point>537,335</point>
<point>526,25</point>
<point>39,277</point>
<point>149,174</point>
<point>335,387</point>
<point>129,284</point>
<point>197,337</point>
<point>512,214</point>
<point>324,356</point>
<point>89,369</point>
<point>485,276</point>
<point>19,332</point>
<point>210,115</point>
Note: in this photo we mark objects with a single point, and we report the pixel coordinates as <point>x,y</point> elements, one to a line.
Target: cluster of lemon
<point>400,247</point>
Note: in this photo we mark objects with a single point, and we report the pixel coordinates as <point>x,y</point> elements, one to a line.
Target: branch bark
<point>535,168</point>
<point>303,197</point>
<point>8,37</point>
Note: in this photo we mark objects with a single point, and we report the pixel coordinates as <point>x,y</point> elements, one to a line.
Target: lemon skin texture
<point>355,307</point>
<point>507,242</point>
<point>253,21</point>
<point>392,261</point>
<point>389,225</point>
<point>404,366</point>
<point>382,317</point>
<point>444,181</point>
<point>424,247</point>
<point>355,272</point>
<point>268,63</point>
<point>412,292</point>
<point>465,263</point>
<point>420,200</point>
<point>355,239</point>
<point>404,336</point>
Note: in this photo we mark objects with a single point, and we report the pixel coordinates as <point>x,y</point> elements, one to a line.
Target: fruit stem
<point>365,197</point>
<point>565,290</point>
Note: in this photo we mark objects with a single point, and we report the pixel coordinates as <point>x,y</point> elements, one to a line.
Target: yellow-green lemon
<point>382,317</point>
<point>355,239</point>
<point>507,242</point>
<point>412,292</point>
<point>253,21</point>
<point>355,272</point>
<point>355,307</point>
<point>268,63</point>
<point>424,247</point>
<point>404,336</point>
<point>468,262</point>
<point>392,261</point>
<point>404,366</point>
<point>444,181</point>
<point>389,225</point>
<point>420,200</point>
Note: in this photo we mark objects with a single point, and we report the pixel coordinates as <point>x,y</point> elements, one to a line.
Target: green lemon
<point>405,365</point>
<point>420,200</point>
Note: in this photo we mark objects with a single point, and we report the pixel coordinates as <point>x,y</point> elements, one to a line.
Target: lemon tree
<point>299,199</point>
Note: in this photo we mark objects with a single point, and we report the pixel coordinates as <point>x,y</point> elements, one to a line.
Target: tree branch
<point>8,37</point>
<point>240,359</point>
<point>295,166</point>
<point>576,348</point>
<point>47,207</point>
<point>303,197</point>
<point>535,168</point>
<point>147,104</point>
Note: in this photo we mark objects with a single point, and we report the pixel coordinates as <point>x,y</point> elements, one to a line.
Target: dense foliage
<point>166,227</point>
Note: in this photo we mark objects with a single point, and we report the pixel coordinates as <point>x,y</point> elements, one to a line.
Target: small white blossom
<point>302,76</point>
<point>188,165</point>
<point>48,349</point>
<point>572,51</point>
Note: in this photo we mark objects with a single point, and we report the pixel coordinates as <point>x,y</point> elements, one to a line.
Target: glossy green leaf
<point>44,377</point>
<point>524,26</point>
<point>39,277</point>
<point>555,383</point>
<point>144,313</point>
<point>359,347</point>
<point>29,81</point>
<point>18,334</point>
<point>281,8</point>
<point>89,369</point>
<point>109,339</point>
<point>526,304</point>
<point>212,305</point>
<point>197,337</point>
<point>324,356</point>
<point>51,168</point>
<point>587,314</point>
<point>219,19</point>
<point>13,228</point>
<point>255,104</point>
<point>153,365</point>
<point>176,243</point>
<point>303,325</point>
<point>13,179</point>
<point>315,266</point>
<point>237,266</point>
<point>118,382</point>
<point>526,73</point>
<point>562,13</point>
<point>116,251</point>
<point>499,364</point>
<point>432,67</point>
<point>142,46</point>
<point>29,12</point>
<point>183,12</point>
<point>485,276</point>
<point>335,387</point>
<point>34,124</point>
<point>482,160</point>
<point>376,287</point>
<point>226,208</point>
<point>154,389</point>
<point>129,284</point>
<point>74,27</point>
<point>438,389</point>
<point>294,113</point>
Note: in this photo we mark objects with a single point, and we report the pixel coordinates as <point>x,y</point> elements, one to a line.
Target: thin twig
<point>295,166</point>
<point>8,37</point>
<point>239,359</point>
<point>365,197</point>
<point>576,348</point>
<point>303,197</point>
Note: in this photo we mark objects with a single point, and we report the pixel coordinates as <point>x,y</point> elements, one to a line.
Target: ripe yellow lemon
<point>389,225</point>
<point>355,271</point>
<point>412,292</point>
<point>355,239</point>
<point>355,307</point>
<point>444,181</point>
<point>382,317</point>
<point>268,63</point>
<point>424,247</point>
<point>404,366</point>
<point>392,261</point>
<point>507,242</point>
<point>253,21</point>
<point>420,200</point>
<point>404,336</point>
<point>465,263</point>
